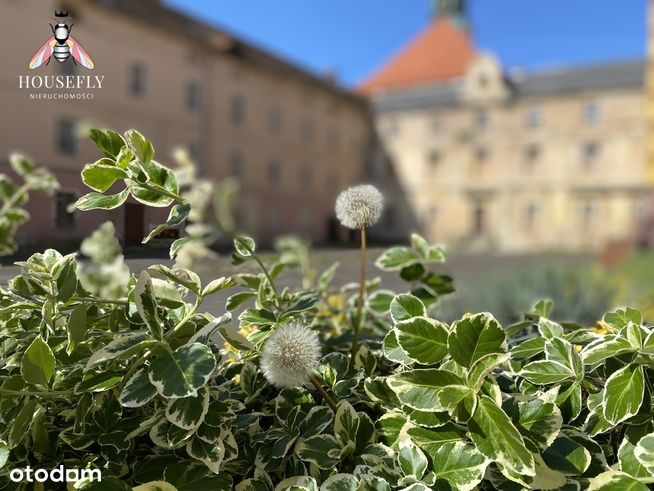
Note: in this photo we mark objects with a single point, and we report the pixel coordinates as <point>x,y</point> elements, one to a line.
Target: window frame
<point>62,140</point>
<point>137,79</point>
<point>193,96</point>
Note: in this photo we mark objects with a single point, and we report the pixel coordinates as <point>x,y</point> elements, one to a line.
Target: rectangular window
<point>391,126</point>
<point>531,156</point>
<point>307,130</point>
<point>481,120</point>
<point>193,96</point>
<point>534,118</point>
<point>591,113</point>
<point>63,218</point>
<point>237,109</point>
<point>237,164</point>
<point>274,220</point>
<point>275,120</point>
<point>588,212</point>
<point>433,158</point>
<point>333,138</point>
<point>274,171</point>
<point>531,216</point>
<point>66,142</point>
<point>481,155</point>
<point>196,153</point>
<point>589,154</point>
<point>137,80</point>
<point>478,219</point>
<point>306,176</point>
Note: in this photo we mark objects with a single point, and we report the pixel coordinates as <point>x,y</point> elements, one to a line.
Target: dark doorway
<point>134,224</point>
<point>333,230</point>
<point>479,220</point>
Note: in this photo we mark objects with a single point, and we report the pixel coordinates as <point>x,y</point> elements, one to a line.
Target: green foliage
<point>124,372</point>
<point>14,197</point>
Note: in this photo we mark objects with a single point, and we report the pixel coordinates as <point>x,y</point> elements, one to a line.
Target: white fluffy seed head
<point>360,206</point>
<point>290,355</point>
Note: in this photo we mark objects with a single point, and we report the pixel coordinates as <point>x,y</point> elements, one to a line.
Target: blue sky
<point>353,37</point>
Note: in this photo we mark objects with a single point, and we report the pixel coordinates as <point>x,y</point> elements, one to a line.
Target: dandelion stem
<point>358,321</point>
<point>323,393</point>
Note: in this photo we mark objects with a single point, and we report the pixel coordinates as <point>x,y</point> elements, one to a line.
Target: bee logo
<point>61,45</point>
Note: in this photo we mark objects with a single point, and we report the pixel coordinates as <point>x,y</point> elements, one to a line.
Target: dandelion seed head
<point>289,355</point>
<point>359,206</point>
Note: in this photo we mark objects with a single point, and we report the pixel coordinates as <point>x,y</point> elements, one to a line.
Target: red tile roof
<point>442,51</point>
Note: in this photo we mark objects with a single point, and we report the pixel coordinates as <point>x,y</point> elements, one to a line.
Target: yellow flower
<point>602,328</point>
<point>245,332</point>
<point>332,307</point>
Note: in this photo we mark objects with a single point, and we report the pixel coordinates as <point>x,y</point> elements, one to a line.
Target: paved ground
<point>468,271</point>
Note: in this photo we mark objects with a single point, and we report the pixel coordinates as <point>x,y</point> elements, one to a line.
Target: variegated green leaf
<point>298,483</point>
<point>644,452</point>
<point>545,372</point>
<point>122,347</point>
<point>346,425</point>
<point>460,464</point>
<point>211,454</point>
<point>422,339</point>
<point>498,439</point>
<point>475,336</point>
<point>540,421</point>
<point>182,372</point>
<point>405,307</point>
<point>623,393</point>
<point>138,390</point>
<point>188,412</point>
<point>324,451</point>
<point>393,351</point>
<point>340,482</point>
<point>411,459</point>
<point>615,481</point>
<point>567,456</point>
<point>419,389</point>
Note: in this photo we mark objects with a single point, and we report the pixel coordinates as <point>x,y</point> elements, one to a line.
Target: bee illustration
<point>61,45</point>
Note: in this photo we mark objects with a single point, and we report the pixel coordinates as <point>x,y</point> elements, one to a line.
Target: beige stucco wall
<point>557,184</point>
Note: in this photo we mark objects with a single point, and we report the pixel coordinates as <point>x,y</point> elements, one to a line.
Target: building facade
<point>293,139</point>
<point>492,159</point>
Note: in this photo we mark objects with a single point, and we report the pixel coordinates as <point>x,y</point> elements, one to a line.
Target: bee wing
<point>80,55</point>
<point>43,53</point>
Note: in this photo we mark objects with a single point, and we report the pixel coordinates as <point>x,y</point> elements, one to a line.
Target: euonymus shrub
<point>127,373</point>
